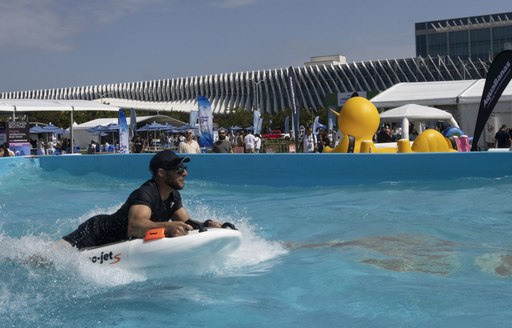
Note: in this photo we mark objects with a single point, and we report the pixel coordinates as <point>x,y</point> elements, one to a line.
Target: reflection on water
<point>499,264</point>
<point>401,253</point>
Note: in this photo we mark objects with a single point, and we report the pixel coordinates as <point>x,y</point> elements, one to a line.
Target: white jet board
<point>166,252</point>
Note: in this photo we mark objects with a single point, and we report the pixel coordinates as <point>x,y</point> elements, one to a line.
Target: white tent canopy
<point>41,105</point>
<point>461,98</point>
<point>416,113</point>
<point>423,93</point>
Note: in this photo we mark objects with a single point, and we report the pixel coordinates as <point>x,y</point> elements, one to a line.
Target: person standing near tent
<point>138,145</point>
<point>222,145</point>
<point>42,147</point>
<point>309,144</point>
<point>257,143</point>
<point>249,142</point>
<point>502,138</point>
<point>189,145</point>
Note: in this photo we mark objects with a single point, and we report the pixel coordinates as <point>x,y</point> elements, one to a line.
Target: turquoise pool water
<point>388,254</point>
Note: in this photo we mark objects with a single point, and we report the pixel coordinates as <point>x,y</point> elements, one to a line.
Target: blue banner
<point>123,133</point>
<point>256,122</point>
<point>315,124</point>
<point>193,118</point>
<point>295,111</point>
<point>205,117</point>
<point>133,123</point>
<point>331,118</point>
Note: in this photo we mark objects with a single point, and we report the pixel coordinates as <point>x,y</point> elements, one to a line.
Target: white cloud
<point>51,25</point>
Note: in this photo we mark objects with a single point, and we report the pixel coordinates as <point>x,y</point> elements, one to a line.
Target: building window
<point>458,45</point>
<point>481,44</point>
<point>502,39</point>
<point>437,44</point>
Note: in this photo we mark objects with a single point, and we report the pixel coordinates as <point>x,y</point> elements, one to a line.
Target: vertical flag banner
<point>256,121</point>
<point>331,119</point>
<point>205,117</point>
<point>193,118</point>
<point>498,77</point>
<point>295,112</point>
<point>123,133</point>
<point>315,124</point>
<point>287,124</point>
<point>133,123</point>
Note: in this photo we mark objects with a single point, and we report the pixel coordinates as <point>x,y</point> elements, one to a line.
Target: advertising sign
<point>18,137</point>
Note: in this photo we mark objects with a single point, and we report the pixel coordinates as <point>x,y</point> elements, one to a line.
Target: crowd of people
<point>51,146</point>
<point>240,141</point>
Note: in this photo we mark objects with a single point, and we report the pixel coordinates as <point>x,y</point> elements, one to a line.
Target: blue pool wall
<point>287,169</point>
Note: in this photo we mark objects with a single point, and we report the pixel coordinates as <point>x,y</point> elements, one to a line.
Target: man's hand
<point>212,224</point>
<point>177,228</point>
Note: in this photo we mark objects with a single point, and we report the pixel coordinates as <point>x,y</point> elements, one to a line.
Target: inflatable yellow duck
<point>359,120</point>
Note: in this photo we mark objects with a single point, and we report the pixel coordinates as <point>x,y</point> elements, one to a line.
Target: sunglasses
<point>181,169</point>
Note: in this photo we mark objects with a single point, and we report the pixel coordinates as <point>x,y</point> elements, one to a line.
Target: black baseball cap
<point>166,159</point>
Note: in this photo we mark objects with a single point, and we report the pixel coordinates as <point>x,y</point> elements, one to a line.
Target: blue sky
<point>65,43</point>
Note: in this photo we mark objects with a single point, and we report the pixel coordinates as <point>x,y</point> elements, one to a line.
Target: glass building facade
<point>476,37</point>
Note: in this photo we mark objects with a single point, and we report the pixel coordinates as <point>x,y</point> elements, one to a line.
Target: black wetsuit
<point>105,229</point>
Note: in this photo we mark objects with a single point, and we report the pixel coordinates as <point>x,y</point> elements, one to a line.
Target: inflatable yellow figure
<point>428,141</point>
<point>358,120</point>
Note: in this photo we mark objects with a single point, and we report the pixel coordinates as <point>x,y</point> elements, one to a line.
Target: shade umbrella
<point>144,128</point>
<point>103,130</point>
<point>96,129</point>
<point>153,127</point>
<point>169,127</point>
<point>112,127</point>
<point>37,129</point>
<point>236,128</point>
<point>50,128</point>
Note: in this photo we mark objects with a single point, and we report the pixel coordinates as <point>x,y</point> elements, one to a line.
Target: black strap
<point>224,225</point>
<point>229,225</point>
<point>196,225</point>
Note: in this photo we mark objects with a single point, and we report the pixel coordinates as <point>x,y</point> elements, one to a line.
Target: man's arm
<point>183,216</point>
<point>139,221</point>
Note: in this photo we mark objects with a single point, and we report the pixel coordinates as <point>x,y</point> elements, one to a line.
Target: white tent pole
<point>71,129</point>
<point>405,128</point>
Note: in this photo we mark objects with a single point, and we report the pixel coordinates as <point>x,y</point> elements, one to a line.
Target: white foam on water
<point>37,252</point>
<point>255,254</point>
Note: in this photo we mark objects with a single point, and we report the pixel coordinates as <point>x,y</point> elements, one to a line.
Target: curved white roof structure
<point>268,89</point>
